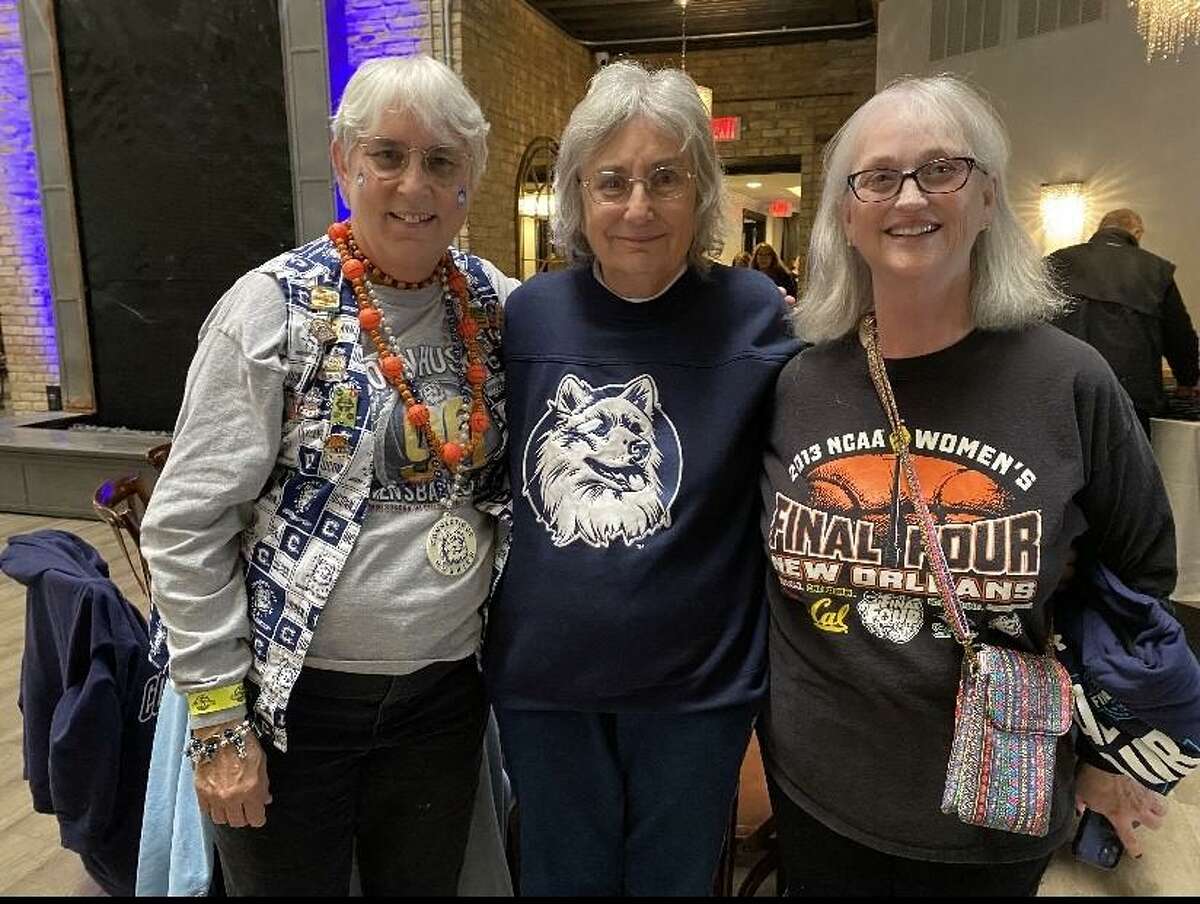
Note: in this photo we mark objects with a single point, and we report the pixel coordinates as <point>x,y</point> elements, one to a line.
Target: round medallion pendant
<point>450,546</point>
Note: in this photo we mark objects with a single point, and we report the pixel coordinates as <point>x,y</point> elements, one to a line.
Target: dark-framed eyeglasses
<point>940,176</point>
<point>664,183</point>
<point>388,159</point>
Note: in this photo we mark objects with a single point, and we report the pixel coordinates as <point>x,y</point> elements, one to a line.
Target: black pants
<point>378,768</point>
<point>819,862</point>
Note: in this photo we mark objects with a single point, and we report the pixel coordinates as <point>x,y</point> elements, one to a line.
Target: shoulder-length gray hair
<point>1010,287</point>
<point>668,100</point>
<point>422,87</point>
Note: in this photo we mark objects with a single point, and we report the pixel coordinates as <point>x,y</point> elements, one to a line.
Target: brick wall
<point>26,308</point>
<point>528,76</point>
<point>791,98</point>
<point>376,28</point>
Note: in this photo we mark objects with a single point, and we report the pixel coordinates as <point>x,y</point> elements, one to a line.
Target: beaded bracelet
<point>204,750</point>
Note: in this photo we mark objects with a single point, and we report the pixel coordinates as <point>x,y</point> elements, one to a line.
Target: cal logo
<point>826,619</point>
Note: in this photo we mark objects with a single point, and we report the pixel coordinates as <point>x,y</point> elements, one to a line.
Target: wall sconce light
<point>1064,208</point>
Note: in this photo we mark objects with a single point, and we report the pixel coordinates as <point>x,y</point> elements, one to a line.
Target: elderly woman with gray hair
<point>625,651</point>
<point>321,538</point>
<point>932,460</point>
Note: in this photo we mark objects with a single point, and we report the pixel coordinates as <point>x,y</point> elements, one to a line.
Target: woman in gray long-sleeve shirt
<point>321,538</point>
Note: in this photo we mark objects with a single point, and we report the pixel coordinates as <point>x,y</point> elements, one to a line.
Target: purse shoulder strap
<point>899,439</point>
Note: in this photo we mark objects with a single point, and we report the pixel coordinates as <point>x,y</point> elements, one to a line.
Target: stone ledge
<point>44,471</point>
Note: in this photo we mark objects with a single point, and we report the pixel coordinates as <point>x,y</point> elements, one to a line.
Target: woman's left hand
<point>1120,799</point>
<point>791,301</point>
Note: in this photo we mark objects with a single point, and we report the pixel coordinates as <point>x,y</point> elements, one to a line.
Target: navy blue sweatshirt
<point>89,698</point>
<point>635,580</point>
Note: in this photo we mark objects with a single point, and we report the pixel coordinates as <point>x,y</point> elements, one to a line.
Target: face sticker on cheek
<point>359,180</point>
<point>462,196</point>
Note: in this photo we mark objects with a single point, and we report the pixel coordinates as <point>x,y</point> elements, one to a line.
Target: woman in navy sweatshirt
<point>626,647</point>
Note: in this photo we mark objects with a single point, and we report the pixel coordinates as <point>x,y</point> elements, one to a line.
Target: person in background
<point>626,643</point>
<point>767,261</point>
<point>1128,308</point>
<point>321,538</point>
<point>741,259</point>
<point>1025,445</point>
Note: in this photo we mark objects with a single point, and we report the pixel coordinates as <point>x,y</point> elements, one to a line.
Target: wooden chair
<point>751,832</point>
<point>121,504</point>
<point>158,456</point>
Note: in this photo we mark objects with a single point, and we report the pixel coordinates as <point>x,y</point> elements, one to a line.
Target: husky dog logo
<point>603,463</point>
<point>261,599</point>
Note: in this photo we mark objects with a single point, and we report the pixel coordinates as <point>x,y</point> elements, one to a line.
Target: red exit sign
<point>780,208</point>
<point>726,128</point>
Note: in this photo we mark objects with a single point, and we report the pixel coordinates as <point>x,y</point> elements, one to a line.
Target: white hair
<point>668,100</point>
<point>1010,285</point>
<point>420,86</point>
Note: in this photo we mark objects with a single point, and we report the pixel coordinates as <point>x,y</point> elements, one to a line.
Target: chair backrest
<point>158,456</point>
<point>121,503</point>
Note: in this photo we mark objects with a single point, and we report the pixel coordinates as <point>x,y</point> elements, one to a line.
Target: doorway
<point>754,229</point>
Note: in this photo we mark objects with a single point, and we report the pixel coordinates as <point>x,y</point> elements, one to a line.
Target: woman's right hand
<point>233,791</point>
<point>1122,801</point>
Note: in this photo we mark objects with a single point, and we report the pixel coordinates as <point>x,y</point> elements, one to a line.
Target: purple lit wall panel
<point>20,199</point>
<point>360,30</point>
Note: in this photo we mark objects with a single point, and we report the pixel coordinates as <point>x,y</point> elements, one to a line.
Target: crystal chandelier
<point>1167,26</point>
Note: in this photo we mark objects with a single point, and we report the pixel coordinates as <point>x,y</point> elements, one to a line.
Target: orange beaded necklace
<point>355,268</point>
<point>377,275</point>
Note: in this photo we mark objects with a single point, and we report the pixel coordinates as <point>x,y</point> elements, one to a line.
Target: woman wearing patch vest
<point>626,645</point>
<point>321,539</point>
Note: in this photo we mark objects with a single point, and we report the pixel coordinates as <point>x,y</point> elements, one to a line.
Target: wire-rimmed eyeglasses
<point>664,183</point>
<point>388,159</point>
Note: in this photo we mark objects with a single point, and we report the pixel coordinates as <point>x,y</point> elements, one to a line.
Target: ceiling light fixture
<point>1167,26</point>
<point>706,94</point>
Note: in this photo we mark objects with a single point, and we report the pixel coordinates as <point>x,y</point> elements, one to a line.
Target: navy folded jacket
<point>89,698</point>
<point>1137,682</point>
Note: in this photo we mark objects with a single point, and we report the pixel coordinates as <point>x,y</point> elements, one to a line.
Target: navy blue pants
<point>622,803</point>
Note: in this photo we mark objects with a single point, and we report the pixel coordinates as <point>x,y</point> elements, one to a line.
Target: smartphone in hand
<point>1096,842</point>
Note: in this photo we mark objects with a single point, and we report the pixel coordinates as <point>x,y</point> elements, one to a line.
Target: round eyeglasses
<point>387,160</point>
<point>665,183</point>
<point>935,177</point>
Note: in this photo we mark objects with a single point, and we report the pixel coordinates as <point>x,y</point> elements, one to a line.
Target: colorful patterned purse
<point>1012,706</point>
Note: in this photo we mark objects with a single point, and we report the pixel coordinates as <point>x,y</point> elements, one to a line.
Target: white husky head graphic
<point>597,464</point>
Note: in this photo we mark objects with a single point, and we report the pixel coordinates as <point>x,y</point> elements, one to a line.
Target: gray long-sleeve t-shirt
<point>389,613</point>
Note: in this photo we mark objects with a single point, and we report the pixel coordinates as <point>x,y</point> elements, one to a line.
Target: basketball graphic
<point>864,487</point>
